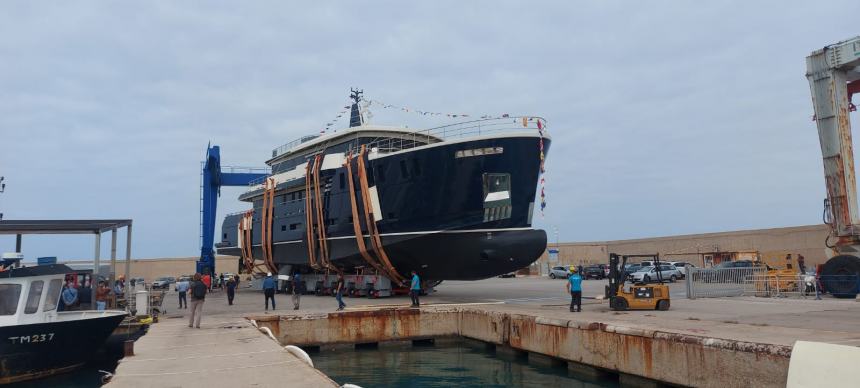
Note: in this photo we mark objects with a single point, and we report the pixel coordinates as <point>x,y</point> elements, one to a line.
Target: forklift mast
<point>833,73</point>
<point>617,274</point>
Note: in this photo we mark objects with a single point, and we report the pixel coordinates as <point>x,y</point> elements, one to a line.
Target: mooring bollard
<point>128,348</point>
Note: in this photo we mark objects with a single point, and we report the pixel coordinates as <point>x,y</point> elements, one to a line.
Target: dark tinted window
<point>9,295</point>
<point>34,296</point>
<point>53,296</point>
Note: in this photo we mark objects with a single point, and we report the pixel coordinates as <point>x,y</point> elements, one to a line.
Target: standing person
<point>182,288</point>
<point>198,296</point>
<point>68,297</point>
<point>574,287</point>
<point>231,290</point>
<point>221,280</point>
<point>86,296</point>
<point>415,289</point>
<point>237,281</point>
<point>102,294</point>
<point>207,280</point>
<point>339,292</point>
<point>269,290</point>
<point>298,289</point>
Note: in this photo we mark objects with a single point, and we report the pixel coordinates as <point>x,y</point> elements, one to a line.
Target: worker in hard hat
<point>574,288</point>
<point>269,290</point>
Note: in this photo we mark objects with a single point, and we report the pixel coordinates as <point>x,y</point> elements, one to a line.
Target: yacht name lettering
<point>29,339</point>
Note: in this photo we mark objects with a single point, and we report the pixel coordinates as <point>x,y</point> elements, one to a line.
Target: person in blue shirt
<point>269,290</point>
<point>415,290</point>
<point>574,287</point>
<point>298,289</point>
<point>182,288</point>
<point>68,297</point>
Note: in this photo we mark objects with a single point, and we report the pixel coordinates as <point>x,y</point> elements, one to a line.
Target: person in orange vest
<point>207,280</point>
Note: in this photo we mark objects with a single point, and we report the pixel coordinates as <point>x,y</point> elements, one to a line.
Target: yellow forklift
<point>639,296</point>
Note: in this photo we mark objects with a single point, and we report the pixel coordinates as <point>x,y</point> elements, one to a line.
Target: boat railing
<point>286,147</point>
<point>479,127</point>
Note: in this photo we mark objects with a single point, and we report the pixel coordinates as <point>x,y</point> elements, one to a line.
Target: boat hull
<point>435,214</point>
<point>39,350</point>
<point>444,255</point>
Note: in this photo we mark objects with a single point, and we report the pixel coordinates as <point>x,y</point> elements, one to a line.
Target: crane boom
<point>833,73</point>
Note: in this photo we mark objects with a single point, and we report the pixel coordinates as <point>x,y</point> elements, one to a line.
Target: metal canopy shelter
<point>96,227</point>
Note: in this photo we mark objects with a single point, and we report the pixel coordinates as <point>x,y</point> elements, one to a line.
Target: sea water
<point>460,364</point>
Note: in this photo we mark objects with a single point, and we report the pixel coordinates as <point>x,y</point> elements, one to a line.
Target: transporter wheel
<point>663,304</point>
<point>840,274</point>
<point>618,304</point>
<point>552,276</point>
<point>646,279</point>
<point>673,278</point>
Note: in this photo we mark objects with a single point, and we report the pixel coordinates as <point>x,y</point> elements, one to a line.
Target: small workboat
<point>38,341</point>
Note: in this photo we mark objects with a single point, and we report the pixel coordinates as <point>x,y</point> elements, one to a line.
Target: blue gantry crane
<point>212,179</point>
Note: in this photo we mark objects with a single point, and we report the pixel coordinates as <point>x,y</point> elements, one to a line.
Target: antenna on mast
<point>355,119</point>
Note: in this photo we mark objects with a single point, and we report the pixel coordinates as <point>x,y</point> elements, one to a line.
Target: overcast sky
<point>667,117</point>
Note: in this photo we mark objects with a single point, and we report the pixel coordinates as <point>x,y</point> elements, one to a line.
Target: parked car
<point>140,281</point>
<point>171,279</point>
<point>649,274</point>
<point>559,273</point>
<point>631,268</point>
<point>681,266</point>
<point>162,283</point>
<point>594,272</point>
<point>731,271</point>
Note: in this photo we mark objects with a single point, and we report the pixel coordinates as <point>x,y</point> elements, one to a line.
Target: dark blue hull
<point>436,218</point>
<point>43,349</point>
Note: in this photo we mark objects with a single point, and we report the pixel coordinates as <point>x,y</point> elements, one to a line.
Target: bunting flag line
<point>340,114</point>
<point>431,113</point>
<point>541,127</point>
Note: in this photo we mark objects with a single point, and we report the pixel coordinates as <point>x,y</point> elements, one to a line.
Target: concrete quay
<point>227,351</point>
<point>693,344</point>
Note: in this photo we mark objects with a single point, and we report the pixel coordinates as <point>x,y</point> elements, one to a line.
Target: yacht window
<point>53,297</point>
<point>380,173</point>
<point>34,296</point>
<point>497,197</point>
<point>9,295</point>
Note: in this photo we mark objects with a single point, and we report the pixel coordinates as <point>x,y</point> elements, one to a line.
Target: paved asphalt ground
<point>533,291</point>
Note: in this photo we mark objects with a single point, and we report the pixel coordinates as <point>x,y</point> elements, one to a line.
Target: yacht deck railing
<point>443,133</point>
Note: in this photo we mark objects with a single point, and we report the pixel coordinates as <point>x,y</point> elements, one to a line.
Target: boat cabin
<point>31,294</point>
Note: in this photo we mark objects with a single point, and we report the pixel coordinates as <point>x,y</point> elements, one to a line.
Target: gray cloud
<point>667,117</point>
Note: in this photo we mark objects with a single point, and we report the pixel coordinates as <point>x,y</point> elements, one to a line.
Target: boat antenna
<point>355,119</point>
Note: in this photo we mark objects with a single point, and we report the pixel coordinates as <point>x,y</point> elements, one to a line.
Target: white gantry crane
<point>834,76</point>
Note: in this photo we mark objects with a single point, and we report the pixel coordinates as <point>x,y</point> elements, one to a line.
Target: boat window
<point>34,296</point>
<point>497,196</point>
<point>9,295</point>
<point>54,289</point>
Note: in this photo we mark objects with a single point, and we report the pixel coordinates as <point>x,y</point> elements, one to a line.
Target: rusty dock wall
<point>665,356</point>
